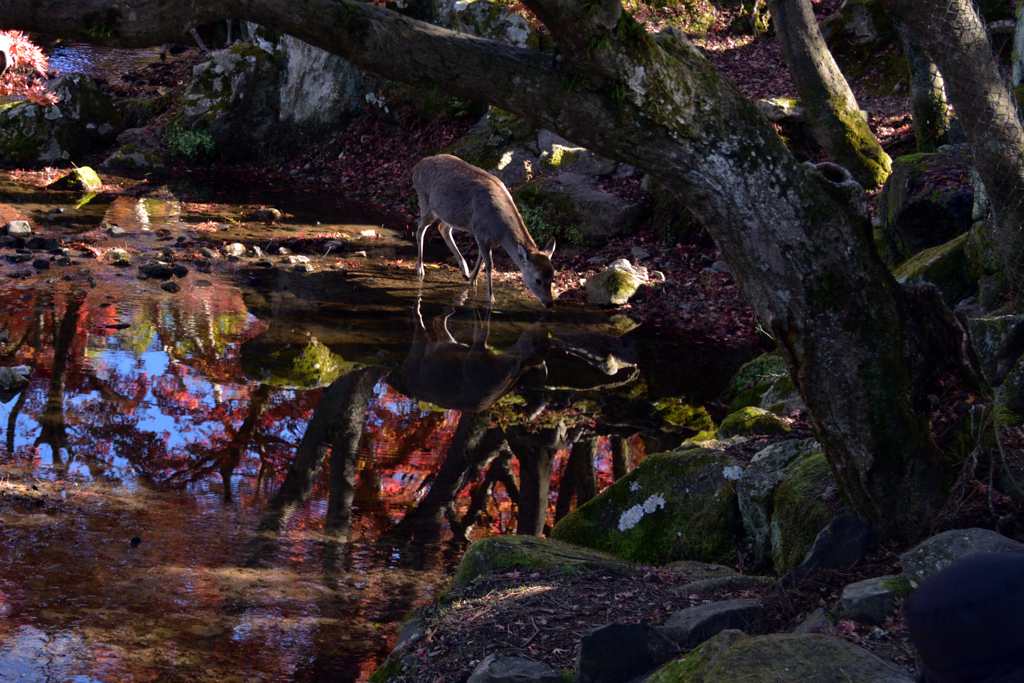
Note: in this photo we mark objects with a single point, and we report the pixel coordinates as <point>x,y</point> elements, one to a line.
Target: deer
<point>461,196</point>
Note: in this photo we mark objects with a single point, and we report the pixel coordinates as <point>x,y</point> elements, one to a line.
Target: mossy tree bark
<point>860,349</point>
<point>928,105</point>
<point>831,107</point>
<point>957,40</point>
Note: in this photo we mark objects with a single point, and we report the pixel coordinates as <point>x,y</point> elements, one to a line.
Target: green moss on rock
<point>678,413</point>
<point>761,371</point>
<point>800,509</point>
<point>751,421</point>
<point>694,665</point>
<point>81,178</point>
<point>674,506</point>
<point>510,553</point>
<point>944,266</point>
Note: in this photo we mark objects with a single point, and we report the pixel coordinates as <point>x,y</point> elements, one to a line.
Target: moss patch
<point>674,506</point>
<point>528,552</point>
<point>752,421</point>
<point>799,510</point>
<point>944,266</point>
<point>82,178</point>
<point>761,371</point>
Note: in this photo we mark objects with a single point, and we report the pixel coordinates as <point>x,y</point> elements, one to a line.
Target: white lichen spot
<point>631,517</point>
<point>634,486</point>
<point>733,472</point>
<point>636,81</point>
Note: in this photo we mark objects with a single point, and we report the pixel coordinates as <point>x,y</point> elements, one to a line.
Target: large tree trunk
<point>955,37</point>
<point>803,256</point>
<point>831,107</point>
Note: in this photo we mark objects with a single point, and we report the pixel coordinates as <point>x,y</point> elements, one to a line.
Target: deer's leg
<point>486,256</point>
<point>441,326</point>
<point>446,233</point>
<point>426,218</point>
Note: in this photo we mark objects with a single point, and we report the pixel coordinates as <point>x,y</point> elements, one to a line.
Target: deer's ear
<point>523,255</point>
<point>549,248</point>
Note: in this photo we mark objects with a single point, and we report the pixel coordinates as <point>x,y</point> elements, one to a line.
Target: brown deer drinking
<point>463,197</point>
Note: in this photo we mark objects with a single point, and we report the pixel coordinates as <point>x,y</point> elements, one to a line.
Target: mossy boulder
<point>502,144</point>
<point>694,665</point>
<point>998,342</point>
<point>82,121</point>
<point>927,200</point>
<point>526,553</point>
<point>944,266</point>
<point>805,501</point>
<point>235,98</point>
<point>614,286</point>
<point>82,178</point>
<point>577,200</point>
<point>674,506</point>
<point>863,39</point>
<point>985,265</point>
<point>758,374</point>
<point>134,159</point>
<point>493,20</point>
<point>751,421</point>
<point>678,414</point>
<point>756,495</point>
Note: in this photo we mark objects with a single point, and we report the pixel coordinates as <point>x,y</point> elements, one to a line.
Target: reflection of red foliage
<point>26,63</point>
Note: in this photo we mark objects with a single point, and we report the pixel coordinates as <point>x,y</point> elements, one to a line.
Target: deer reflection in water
<point>469,377</point>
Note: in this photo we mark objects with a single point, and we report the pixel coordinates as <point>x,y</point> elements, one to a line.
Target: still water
<point>256,477</point>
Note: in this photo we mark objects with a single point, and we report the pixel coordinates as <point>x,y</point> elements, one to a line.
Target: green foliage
<point>542,228</point>
<point>196,145</point>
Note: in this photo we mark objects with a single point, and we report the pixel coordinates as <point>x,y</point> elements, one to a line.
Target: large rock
<point>575,200</point>
<point>82,178</point>
<point>613,286</point>
<point>927,200</point>
<point>796,658</point>
<point>845,540</point>
<point>620,652</point>
<point>132,158</point>
<point>985,264</point>
<point>558,155</point>
<point>872,600</point>
<point>492,20</point>
<point>805,501</point>
<point>944,266</point>
<point>526,553</point>
<point>752,421</point>
<point>501,669</point>
<point>674,506</point>
<point>756,492</point>
<point>692,626</point>
<point>82,121</point>
<point>942,550</point>
<point>318,89</point>
<point>998,342</point>
<point>753,380</point>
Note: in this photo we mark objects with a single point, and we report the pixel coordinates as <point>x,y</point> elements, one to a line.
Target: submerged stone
<point>673,506</point>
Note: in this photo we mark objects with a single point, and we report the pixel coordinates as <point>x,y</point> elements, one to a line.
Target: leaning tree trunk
<point>831,107</point>
<point>860,349</point>
<point>928,106</point>
<point>955,36</point>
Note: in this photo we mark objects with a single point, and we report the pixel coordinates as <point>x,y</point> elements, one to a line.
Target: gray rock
<point>490,19</point>
<point>942,550</point>
<point>13,378</point>
<point>614,286</point>
<point>998,342</point>
<point>782,110</point>
<point>116,231</point>
<point>690,627</point>
<point>210,253</point>
<point>576,200</point>
<point>558,155</point>
<point>845,540</point>
<point>82,121</point>
<point>620,652</point>
<point>869,601</point>
<point>318,89</point>
<point>18,229</point>
<point>236,249</point>
<point>721,267</point>
<point>756,491</point>
<point>172,287</point>
<point>501,669</point>
<point>816,622</point>
<point>134,158</point>
<point>266,215</point>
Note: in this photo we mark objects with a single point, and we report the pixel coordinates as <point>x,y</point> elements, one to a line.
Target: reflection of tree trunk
<point>474,445</point>
<point>53,430</point>
<point>620,457</point>
<point>337,421</point>
<point>232,455</point>
<point>500,470</point>
<point>12,419</point>
<point>536,453</point>
<point>578,480</point>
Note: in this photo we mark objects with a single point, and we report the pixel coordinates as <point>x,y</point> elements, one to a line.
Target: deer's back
<point>469,198</point>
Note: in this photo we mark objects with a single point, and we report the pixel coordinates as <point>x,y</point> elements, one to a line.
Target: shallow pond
<point>257,476</point>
